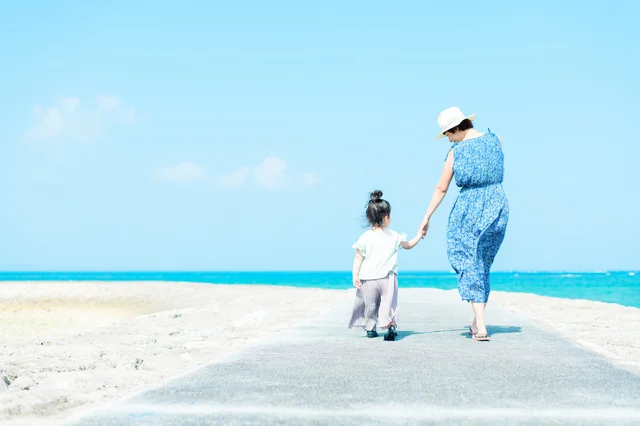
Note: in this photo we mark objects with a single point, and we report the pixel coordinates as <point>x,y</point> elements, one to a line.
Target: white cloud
<point>108,102</point>
<point>270,173</point>
<point>236,178</point>
<point>184,171</point>
<point>309,179</point>
<point>67,119</point>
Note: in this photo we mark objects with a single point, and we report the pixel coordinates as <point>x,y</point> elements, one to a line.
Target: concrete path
<point>322,373</point>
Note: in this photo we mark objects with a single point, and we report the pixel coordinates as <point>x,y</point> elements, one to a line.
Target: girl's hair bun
<point>375,196</point>
<point>377,209</point>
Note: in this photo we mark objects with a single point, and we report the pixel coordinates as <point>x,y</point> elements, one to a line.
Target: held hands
<point>356,283</point>
<point>424,227</point>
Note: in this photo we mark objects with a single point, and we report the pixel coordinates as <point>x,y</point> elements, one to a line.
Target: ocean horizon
<point>621,287</point>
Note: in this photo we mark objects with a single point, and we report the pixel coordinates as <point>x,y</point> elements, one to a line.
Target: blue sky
<point>246,135</point>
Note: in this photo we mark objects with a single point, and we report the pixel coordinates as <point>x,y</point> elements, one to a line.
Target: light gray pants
<point>376,303</point>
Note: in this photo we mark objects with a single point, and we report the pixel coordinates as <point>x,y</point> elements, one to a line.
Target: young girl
<point>375,271</point>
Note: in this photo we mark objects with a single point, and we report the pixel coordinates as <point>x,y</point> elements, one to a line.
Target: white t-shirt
<point>380,251</point>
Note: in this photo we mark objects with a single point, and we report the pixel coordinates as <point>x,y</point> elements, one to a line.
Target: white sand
<point>67,346</point>
<point>610,330</point>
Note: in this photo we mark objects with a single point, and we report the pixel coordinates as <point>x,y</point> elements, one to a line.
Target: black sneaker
<point>391,334</point>
<point>371,334</point>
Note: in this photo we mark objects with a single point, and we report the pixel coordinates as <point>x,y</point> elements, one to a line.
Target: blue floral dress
<point>479,217</point>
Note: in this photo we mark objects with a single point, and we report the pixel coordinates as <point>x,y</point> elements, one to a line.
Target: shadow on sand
<point>492,329</point>
<point>496,329</point>
<point>406,333</point>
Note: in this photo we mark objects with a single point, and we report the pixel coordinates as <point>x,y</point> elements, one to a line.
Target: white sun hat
<point>450,118</point>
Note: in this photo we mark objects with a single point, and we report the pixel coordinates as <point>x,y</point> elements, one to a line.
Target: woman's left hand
<point>424,227</point>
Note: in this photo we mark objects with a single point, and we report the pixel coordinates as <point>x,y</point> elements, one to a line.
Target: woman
<point>479,217</point>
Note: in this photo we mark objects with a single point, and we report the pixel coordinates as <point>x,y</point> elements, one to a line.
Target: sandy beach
<point>608,329</point>
<point>69,346</point>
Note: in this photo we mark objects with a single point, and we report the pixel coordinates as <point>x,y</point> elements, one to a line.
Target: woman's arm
<point>357,263</point>
<point>438,193</point>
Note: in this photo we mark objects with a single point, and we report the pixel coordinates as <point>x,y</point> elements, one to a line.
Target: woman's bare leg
<point>478,310</point>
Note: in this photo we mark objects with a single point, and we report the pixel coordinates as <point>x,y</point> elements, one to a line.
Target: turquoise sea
<point>613,287</point>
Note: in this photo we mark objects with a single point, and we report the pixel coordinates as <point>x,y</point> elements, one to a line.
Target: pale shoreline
<point>69,346</point>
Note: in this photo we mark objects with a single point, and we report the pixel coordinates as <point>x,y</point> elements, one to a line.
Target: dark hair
<point>465,125</point>
<point>377,208</point>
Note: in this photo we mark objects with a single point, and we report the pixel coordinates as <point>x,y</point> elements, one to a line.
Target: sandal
<point>481,337</point>
<point>391,334</point>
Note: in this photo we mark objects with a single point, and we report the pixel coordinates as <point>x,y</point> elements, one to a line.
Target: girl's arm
<point>357,263</point>
<point>408,245</point>
<point>438,193</point>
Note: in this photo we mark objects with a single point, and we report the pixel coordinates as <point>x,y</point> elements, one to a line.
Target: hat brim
<point>454,124</point>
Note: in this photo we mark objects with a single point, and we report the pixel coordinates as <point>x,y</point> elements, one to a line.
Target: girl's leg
<point>357,312</point>
<point>389,305</point>
<point>389,301</point>
<point>371,296</point>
